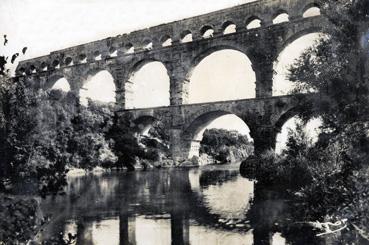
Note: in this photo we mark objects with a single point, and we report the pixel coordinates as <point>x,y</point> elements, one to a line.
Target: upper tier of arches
<point>165,36</point>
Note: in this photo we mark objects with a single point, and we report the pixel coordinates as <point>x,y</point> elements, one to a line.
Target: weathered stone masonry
<point>122,55</point>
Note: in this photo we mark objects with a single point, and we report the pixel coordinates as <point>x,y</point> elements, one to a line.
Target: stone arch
<point>286,117</point>
<point>56,64</point>
<point>68,61</point>
<point>196,126</point>
<point>147,44</point>
<point>253,22</point>
<point>165,41</point>
<point>143,124</point>
<point>207,31</point>
<point>310,6</point>
<point>186,36</point>
<point>99,85</point>
<point>229,27</point>
<point>280,16</point>
<point>53,79</point>
<point>130,98</point>
<point>129,48</point>
<point>205,54</point>
<point>282,57</point>
<point>61,84</point>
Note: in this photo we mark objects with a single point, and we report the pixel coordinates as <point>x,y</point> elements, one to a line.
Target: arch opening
<point>311,129</point>
<point>281,18</point>
<point>56,64</point>
<point>229,27</point>
<point>97,55</point>
<point>147,45</point>
<point>129,48</point>
<point>253,23</point>
<point>311,12</point>
<point>222,131</point>
<point>281,84</point>
<point>207,32</point>
<point>166,41</point>
<point>44,66</point>
<point>68,61</point>
<point>100,87</point>
<point>186,37</point>
<point>61,84</point>
<point>148,86</point>
<point>222,75</point>
<point>82,58</point>
<point>113,52</point>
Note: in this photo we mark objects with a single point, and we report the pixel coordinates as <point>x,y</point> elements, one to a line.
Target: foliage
<point>338,68</point>
<point>125,146</point>
<point>18,220</point>
<point>219,143</point>
<point>87,145</point>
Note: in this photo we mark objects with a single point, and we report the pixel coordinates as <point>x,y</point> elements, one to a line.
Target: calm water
<point>210,205</point>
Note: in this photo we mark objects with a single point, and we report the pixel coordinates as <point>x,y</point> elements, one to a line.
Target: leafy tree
<point>219,143</point>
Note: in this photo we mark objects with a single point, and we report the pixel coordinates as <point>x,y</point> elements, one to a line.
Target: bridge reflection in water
<point>211,205</point>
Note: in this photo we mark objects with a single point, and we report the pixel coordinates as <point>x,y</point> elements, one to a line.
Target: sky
<point>45,26</point>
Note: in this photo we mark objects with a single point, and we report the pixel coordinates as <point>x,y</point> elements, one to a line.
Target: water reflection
<point>211,205</point>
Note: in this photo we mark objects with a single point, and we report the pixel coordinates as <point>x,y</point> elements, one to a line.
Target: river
<point>207,205</point>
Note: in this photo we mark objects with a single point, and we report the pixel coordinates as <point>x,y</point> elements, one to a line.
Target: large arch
<point>193,133</point>
<point>290,52</point>
<point>288,121</point>
<point>148,85</point>
<point>61,84</point>
<point>221,73</point>
<point>98,87</point>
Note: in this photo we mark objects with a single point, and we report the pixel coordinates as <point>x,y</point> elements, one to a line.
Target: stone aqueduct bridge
<point>123,55</point>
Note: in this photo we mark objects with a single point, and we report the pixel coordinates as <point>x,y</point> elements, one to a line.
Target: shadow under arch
<point>143,124</point>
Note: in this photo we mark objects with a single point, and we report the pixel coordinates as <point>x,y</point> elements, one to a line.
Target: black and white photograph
<point>184,122</point>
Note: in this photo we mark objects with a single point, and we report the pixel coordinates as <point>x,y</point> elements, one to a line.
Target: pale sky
<point>45,26</point>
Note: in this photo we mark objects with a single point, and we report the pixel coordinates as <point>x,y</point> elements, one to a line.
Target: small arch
<point>61,84</point>
<point>97,55</point>
<point>253,23</point>
<point>281,17</point>
<point>166,41</point>
<point>207,31</point>
<point>22,71</point>
<point>129,48</point>
<point>56,64</point>
<point>311,11</point>
<point>186,37</point>
<point>147,45</point>
<point>33,69</point>
<point>43,66</point>
<point>82,58</point>
<point>68,61</point>
<point>113,52</point>
<point>229,27</point>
